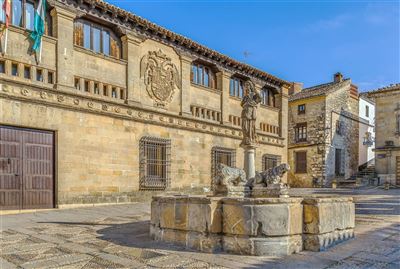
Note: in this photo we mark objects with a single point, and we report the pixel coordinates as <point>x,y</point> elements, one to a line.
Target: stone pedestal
<point>272,190</point>
<point>249,161</point>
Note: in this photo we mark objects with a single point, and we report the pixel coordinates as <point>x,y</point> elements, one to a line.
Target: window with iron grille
<point>270,161</point>
<point>222,155</point>
<point>155,163</point>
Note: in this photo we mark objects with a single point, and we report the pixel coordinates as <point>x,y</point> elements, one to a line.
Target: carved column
<point>186,65</point>
<point>131,53</point>
<point>63,29</point>
<point>223,79</point>
<point>284,122</point>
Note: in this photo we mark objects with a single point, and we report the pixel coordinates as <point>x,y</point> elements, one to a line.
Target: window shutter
<point>78,34</point>
<point>301,162</point>
<point>115,50</point>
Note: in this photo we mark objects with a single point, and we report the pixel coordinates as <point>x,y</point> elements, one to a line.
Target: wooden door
<point>10,168</point>
<point>26,168</point>
<point>398,170</point>
<point>38,183</point>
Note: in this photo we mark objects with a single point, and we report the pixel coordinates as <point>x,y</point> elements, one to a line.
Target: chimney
<point>295,88</point>
<point>338,77</point>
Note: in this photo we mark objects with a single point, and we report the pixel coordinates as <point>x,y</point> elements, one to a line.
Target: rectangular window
<point>301,161</point>
<point>86,36</point>
<point>232,87</point>
<point>96,88</point>
<point>301,109</point>
<point>114,93</point>
<point>87,86</point>
<point>398,124</point>
<point>2,67</point>
<point>221,155</point>
<point>29,15</point>
<point>122,94</point>
<point>16,11</point>
<point>270,161</point>
<point>200,75</point>
<point>241,92</point>
<point>105,90</point>
<point>96,32</point>
<point>366,111</point>
<point>50,77</point>
<point>27,72</point>
<point>193,74</point>
<point>155,163</point>
<point>300,132</point>
<point>106,43</point>
<point>14,69</point>
<point>206,81</point>
<point>39,75</point>
<point>77,84</point>
<point>236,87</point>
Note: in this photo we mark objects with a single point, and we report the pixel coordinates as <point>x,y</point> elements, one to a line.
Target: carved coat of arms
<point>160,75</point>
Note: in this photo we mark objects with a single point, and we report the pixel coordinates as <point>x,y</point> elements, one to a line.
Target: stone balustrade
<point>205,113</point>
<point>27,72</point>
<point>252,226</point>
<point>99,88</point>
<point>268,128</point>
<point>235,120</point>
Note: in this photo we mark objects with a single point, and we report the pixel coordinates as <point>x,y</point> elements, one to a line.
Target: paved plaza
<point>118,237</point>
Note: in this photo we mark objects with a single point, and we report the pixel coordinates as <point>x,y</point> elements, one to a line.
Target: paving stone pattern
<point>118,237</point>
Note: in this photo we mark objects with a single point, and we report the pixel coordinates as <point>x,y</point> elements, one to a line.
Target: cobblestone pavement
<point>117,237</point>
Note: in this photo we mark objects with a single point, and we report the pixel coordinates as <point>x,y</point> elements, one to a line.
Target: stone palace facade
<point>119,105</point>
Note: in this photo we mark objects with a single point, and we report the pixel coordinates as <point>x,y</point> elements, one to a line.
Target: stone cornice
<point>84,103</point>
<point>120,17</point>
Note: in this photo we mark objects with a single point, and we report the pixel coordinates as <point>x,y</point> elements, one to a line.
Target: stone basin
<point>252,226</point>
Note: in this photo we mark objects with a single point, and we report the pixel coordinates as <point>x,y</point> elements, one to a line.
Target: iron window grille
<point>270,161</point>
<point>155,163</point>
<point>222,155</point>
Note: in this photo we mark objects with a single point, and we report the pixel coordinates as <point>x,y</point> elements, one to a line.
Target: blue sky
<point>304,41</point>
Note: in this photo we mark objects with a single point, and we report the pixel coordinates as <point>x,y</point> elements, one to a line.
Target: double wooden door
<point>26,168</point>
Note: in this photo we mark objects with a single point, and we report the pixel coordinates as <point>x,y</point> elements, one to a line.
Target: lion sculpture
<point>271,176</point>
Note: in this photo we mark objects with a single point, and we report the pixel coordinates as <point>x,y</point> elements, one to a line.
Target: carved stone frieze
<point>113,109</point>
<point>161,77</point>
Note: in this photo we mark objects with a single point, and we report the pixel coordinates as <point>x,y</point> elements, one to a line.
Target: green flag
<point>38,29</point>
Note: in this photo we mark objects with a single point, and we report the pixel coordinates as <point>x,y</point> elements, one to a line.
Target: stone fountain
<point>250,212</point>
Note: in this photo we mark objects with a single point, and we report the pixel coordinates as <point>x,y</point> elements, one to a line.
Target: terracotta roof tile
<point>391,87</point>
<point>319,90</point>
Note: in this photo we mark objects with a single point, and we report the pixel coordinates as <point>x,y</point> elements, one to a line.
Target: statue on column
<point>249,103</point>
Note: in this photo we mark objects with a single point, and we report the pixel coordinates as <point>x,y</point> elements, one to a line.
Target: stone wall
<point>322,114</point>
<point>387,156</point>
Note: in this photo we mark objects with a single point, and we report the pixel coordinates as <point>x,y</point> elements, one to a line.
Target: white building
<point>367,130</point>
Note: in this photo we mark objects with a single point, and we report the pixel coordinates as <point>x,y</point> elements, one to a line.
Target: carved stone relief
<point>161,77</point>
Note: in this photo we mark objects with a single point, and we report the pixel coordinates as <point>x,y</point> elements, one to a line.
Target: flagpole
<point>5,41</point>
<point>40,50</point>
